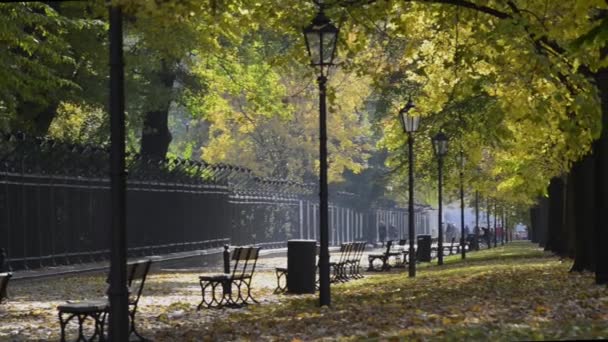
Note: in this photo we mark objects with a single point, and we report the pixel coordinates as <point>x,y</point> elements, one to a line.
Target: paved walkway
<point>208,260</point>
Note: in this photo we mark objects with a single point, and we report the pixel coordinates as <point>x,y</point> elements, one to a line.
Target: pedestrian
<point>392,232</point>
<point>382,232</point>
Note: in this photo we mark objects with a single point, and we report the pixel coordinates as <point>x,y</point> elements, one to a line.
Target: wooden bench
<point>216,289</point>
<point>339,265</point>
<point>434,247</point>
<point>4,278</point>
<point>348,263</point>
<point>137,273</point>
<point>402,259</point>
<point>384,258</point>
<point>450,247</point>
<point>354,261</point>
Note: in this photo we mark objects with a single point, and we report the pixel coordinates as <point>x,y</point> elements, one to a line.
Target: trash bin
<point>423,251</point>
<point>301,268</point>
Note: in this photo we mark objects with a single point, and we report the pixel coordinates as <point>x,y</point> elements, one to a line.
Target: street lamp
<point>495,226</point>
<point>440,147</point>
<point>462,232</point>
<point>476,244</point>
<point>489,208</point>
<point>321,37</point>
<point>504,228</point>
<point>410,126</point>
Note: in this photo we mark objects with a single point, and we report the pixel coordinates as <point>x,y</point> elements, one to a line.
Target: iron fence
<point>55,205</point>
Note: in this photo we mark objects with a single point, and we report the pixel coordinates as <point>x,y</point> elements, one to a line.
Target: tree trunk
<point>543,212</point>
<point>600,149</point>
<point>156,137</point>
<point>533,228</point>
<point>555,218</point>
<point>569,226</point>
<point>582,178</point>
<point>34,118</point>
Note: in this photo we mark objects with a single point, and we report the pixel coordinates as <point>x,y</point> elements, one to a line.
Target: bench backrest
<point>347,250</point>
<point>137,272</point>
<point>389,244</point>
<point>245,259</point>
<point>358,247</point>
<point>4,278</point>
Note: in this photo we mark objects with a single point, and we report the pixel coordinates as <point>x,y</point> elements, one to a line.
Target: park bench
<point>137,273</point>
<point>4,278</point>
<point>216,289</point>
<point>383,257</point>
<point>401,260</point>
<point>339,267</point>
<point>450,247</point>
<point>434,247</point>
<point>354,261</point>
<point>348,264</point>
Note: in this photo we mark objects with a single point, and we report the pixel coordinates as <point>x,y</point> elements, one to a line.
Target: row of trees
<point>521,89</point>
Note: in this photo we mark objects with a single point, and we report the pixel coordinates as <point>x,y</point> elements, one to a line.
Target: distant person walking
<point>392,232</point>
<point>382,232</point>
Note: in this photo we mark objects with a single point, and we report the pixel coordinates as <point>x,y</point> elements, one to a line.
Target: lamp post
<point>118,293</point>
<point>504,228</point>
<point>410,126</point>
<point>489,207</point>
<point>463,253</point>
<point>321,37</point>
<point>476,244</point>
<point>440,147</point>
<point>495,230</point>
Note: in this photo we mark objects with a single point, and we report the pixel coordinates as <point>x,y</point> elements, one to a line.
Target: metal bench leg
<point>248,296</point>
<point>281,276</point>
<point>133,330</point>
<point>385,265</point>
<point>99,321</point>
<point>212,302</point>
<point>358,269</point>
<point>62,324</point>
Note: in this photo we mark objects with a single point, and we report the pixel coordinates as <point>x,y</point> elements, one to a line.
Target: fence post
<point>226,259</point>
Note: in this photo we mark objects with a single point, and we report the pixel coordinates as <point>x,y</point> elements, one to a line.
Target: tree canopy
<point>512,83</point>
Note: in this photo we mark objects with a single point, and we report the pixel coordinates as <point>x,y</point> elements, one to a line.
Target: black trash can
<point>423,251</point>
<point>301,268</point>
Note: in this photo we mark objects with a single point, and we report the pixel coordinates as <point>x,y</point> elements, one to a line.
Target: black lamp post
<point>489,208</point>
<point>321,37</point>
<point>463,253</point>
<point>410,126</point>
<point>118,293</point>
<point>440,147</point>
<point>504,228</point>
<point>476,244</point>
<point>495,230</point>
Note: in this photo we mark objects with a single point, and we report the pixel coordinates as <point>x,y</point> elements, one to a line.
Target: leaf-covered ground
<point>516,292</point>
